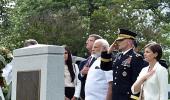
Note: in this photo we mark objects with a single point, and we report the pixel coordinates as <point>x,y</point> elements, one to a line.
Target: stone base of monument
<point>38,73</point>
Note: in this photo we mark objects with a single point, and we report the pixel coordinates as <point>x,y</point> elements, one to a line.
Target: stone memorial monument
<point>38,73</point>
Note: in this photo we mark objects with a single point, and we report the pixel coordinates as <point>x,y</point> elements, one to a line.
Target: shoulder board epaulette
<point>106,60</point>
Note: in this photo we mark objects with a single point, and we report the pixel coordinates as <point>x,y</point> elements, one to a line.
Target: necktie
<point>120,56</point>
<point>92,60</point>
<point>89,62</point>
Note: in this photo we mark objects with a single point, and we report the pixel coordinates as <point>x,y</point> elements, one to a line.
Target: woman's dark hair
<point>155,48</point>
<point>69,64</point>
<point>163,63</point>
<point>30,42</point>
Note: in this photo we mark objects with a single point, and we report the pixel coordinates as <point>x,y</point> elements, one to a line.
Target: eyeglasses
<point>65,52</point>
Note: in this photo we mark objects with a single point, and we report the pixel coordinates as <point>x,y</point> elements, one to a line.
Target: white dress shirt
<point>77,81</point>
<point>96,86</point>
<point>7,73</point>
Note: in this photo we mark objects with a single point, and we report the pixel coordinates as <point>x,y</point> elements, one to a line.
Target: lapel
<point>92,61</point>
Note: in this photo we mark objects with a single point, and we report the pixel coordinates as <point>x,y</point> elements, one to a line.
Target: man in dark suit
<point>126,65</point>
<point>85,65</point>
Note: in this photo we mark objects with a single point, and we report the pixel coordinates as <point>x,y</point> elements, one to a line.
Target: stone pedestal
<point>38,73</point>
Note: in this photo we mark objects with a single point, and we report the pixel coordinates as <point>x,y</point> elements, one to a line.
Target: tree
<point>48,22</point>
<point>71,21</point>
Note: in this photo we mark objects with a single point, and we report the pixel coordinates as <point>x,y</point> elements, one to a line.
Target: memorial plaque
<point>38,73</point>
<point>28,85</point>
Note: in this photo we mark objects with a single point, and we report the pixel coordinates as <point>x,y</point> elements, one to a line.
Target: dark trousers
<point>120,96</point>
<point>69,92</point>
<point>82,92</point>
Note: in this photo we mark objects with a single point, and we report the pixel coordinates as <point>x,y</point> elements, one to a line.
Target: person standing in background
<point>152,82</point>
<point>7,71</point>
<point>30,42</point>
<point>72,83</point>
<point>85,65</point>
<point>126,66</point>
<point>98,83</point>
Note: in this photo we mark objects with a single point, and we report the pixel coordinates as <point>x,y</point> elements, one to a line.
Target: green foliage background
<point>69,22</point>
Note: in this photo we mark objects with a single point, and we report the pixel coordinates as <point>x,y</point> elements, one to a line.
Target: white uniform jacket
<point>96,86</point>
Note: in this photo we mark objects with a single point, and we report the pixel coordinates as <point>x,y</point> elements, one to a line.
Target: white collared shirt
<point>126,51</point>
<point>7,73</point>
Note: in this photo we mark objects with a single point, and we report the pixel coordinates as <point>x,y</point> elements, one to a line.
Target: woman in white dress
<point>152,81</point>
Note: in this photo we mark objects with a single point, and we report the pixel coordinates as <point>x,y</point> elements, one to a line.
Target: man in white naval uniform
<point>98,82</point>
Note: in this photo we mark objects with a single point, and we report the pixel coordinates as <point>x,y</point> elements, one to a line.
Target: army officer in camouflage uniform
<point>126,65</point>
